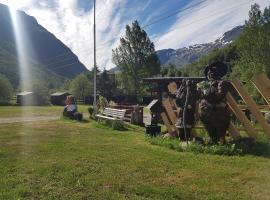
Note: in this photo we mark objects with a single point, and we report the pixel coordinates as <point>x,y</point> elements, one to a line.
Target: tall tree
<point>106,84</point>
<point>253,47</point>
<point>169,70</point>
<point>136,57</point>
<point>81,87</point>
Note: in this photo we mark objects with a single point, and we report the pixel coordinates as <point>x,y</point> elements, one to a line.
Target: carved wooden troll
<point>213,111</point>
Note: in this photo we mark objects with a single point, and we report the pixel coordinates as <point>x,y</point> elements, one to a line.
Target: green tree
<point>169,70</point>
<point>136,57</point>
<point>253,47</point>
<point>106,84</point>
<point>5,90</point>
<point>81,87</point>
<point>41,92</point>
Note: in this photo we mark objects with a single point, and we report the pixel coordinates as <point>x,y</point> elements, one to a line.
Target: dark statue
<point>213,111</point>
<point>186,100</point>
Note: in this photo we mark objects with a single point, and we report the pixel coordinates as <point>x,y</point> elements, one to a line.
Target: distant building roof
<point>60,93</point>
<point>24,93</point>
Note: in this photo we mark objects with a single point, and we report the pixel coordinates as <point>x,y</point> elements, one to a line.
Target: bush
<point>41,93</point>
<point>102,103</point>
<point>115,125</point>
<point>5,90</point>
<point>118,125</point>
<point>238,148</point>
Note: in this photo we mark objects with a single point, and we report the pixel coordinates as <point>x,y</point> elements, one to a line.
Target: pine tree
<point>136,58</point>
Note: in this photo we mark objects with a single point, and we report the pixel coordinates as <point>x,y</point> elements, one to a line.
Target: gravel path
<point>9,120</point>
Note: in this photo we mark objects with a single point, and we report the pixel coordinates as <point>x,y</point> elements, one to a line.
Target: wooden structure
<point>59,98</point>
<point>261,82</point>
<point>133,114</point>
<point>112,114</point>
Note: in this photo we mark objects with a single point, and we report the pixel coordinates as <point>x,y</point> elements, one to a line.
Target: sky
<point>168,23</point>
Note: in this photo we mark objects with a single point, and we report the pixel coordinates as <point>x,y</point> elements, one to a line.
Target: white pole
<point>95,64</point>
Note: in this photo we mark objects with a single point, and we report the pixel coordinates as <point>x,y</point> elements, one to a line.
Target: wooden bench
<point>112,114</point>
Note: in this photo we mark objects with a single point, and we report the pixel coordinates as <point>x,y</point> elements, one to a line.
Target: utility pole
<point>95,64</point>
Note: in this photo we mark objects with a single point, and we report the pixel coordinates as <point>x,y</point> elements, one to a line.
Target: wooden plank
<point>240,115</point>
<point>260,83</point>
<point>260,106</point>
<point>251,105</point>
<point>168,107</point>
<point>166,121</point>
<point>233,131</point>
<point>172,87</point>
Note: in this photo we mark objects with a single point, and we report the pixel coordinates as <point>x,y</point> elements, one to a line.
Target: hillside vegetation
<point>49,59</point>
<point>248,55</point>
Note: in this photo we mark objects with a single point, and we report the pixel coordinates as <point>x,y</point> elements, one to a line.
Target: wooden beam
<point>261,82</point>
<point>168,107</point>
<point>233,131</point>
<point>166,122</point>
<point>240,115</point>
<point>254,109</point>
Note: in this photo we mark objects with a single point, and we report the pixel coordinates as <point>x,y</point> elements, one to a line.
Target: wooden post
<point>262,83</point>
<point>168,107</point>
<point>240,115</point>
<point>166,121</point>
<point>254,109</point>
<point>233,131</point>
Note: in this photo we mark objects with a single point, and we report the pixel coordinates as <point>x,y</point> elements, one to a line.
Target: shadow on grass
<point>259,148</point>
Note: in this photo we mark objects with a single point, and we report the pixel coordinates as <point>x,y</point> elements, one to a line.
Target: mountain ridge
<point>186,55</point>
<point>45,54</point>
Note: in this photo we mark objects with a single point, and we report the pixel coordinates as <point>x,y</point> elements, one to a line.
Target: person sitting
<point>70,110</point>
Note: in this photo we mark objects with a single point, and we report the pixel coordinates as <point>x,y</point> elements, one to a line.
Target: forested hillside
<point>49,59</point>
<point>248,55</point>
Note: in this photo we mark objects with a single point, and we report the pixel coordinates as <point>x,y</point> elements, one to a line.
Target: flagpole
<point>95,64</point>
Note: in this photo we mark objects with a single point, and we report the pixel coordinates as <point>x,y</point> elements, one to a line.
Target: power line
<point>163,18</point>
<point>155,21</point>
<point>172,14</point>
<point>151,23</point>
<point>213,14</point>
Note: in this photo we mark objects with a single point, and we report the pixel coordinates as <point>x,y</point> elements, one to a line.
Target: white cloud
<point>74,26</point>
<point>206,22</point>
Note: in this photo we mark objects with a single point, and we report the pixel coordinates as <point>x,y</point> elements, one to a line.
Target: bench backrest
<point>112,112</point>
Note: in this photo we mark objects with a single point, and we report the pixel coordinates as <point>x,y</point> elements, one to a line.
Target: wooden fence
<point>262,84</point>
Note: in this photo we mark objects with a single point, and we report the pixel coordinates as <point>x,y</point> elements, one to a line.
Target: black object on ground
<point>152,130</point>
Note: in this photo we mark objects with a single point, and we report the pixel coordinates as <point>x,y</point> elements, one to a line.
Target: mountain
<point>187,55</point>
<point>49,58</point>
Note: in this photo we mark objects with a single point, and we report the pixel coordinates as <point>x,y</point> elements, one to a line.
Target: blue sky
<point>191,22</point>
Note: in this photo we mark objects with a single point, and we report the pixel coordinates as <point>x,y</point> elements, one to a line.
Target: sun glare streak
<point>22,49</point>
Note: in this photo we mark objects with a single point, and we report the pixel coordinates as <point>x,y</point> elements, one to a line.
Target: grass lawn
<point>18,111</point>
<point>62,159</point>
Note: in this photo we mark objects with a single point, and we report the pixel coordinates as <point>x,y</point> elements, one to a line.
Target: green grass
<point>19,111</point>
<point>65,159</point>
<point>260,148</point>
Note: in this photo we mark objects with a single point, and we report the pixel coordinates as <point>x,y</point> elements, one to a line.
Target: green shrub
<point>102,103</point>
<point>91,113</point>
<point>118,125</point>
<point>115,125</point>
<point>5,90</point>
